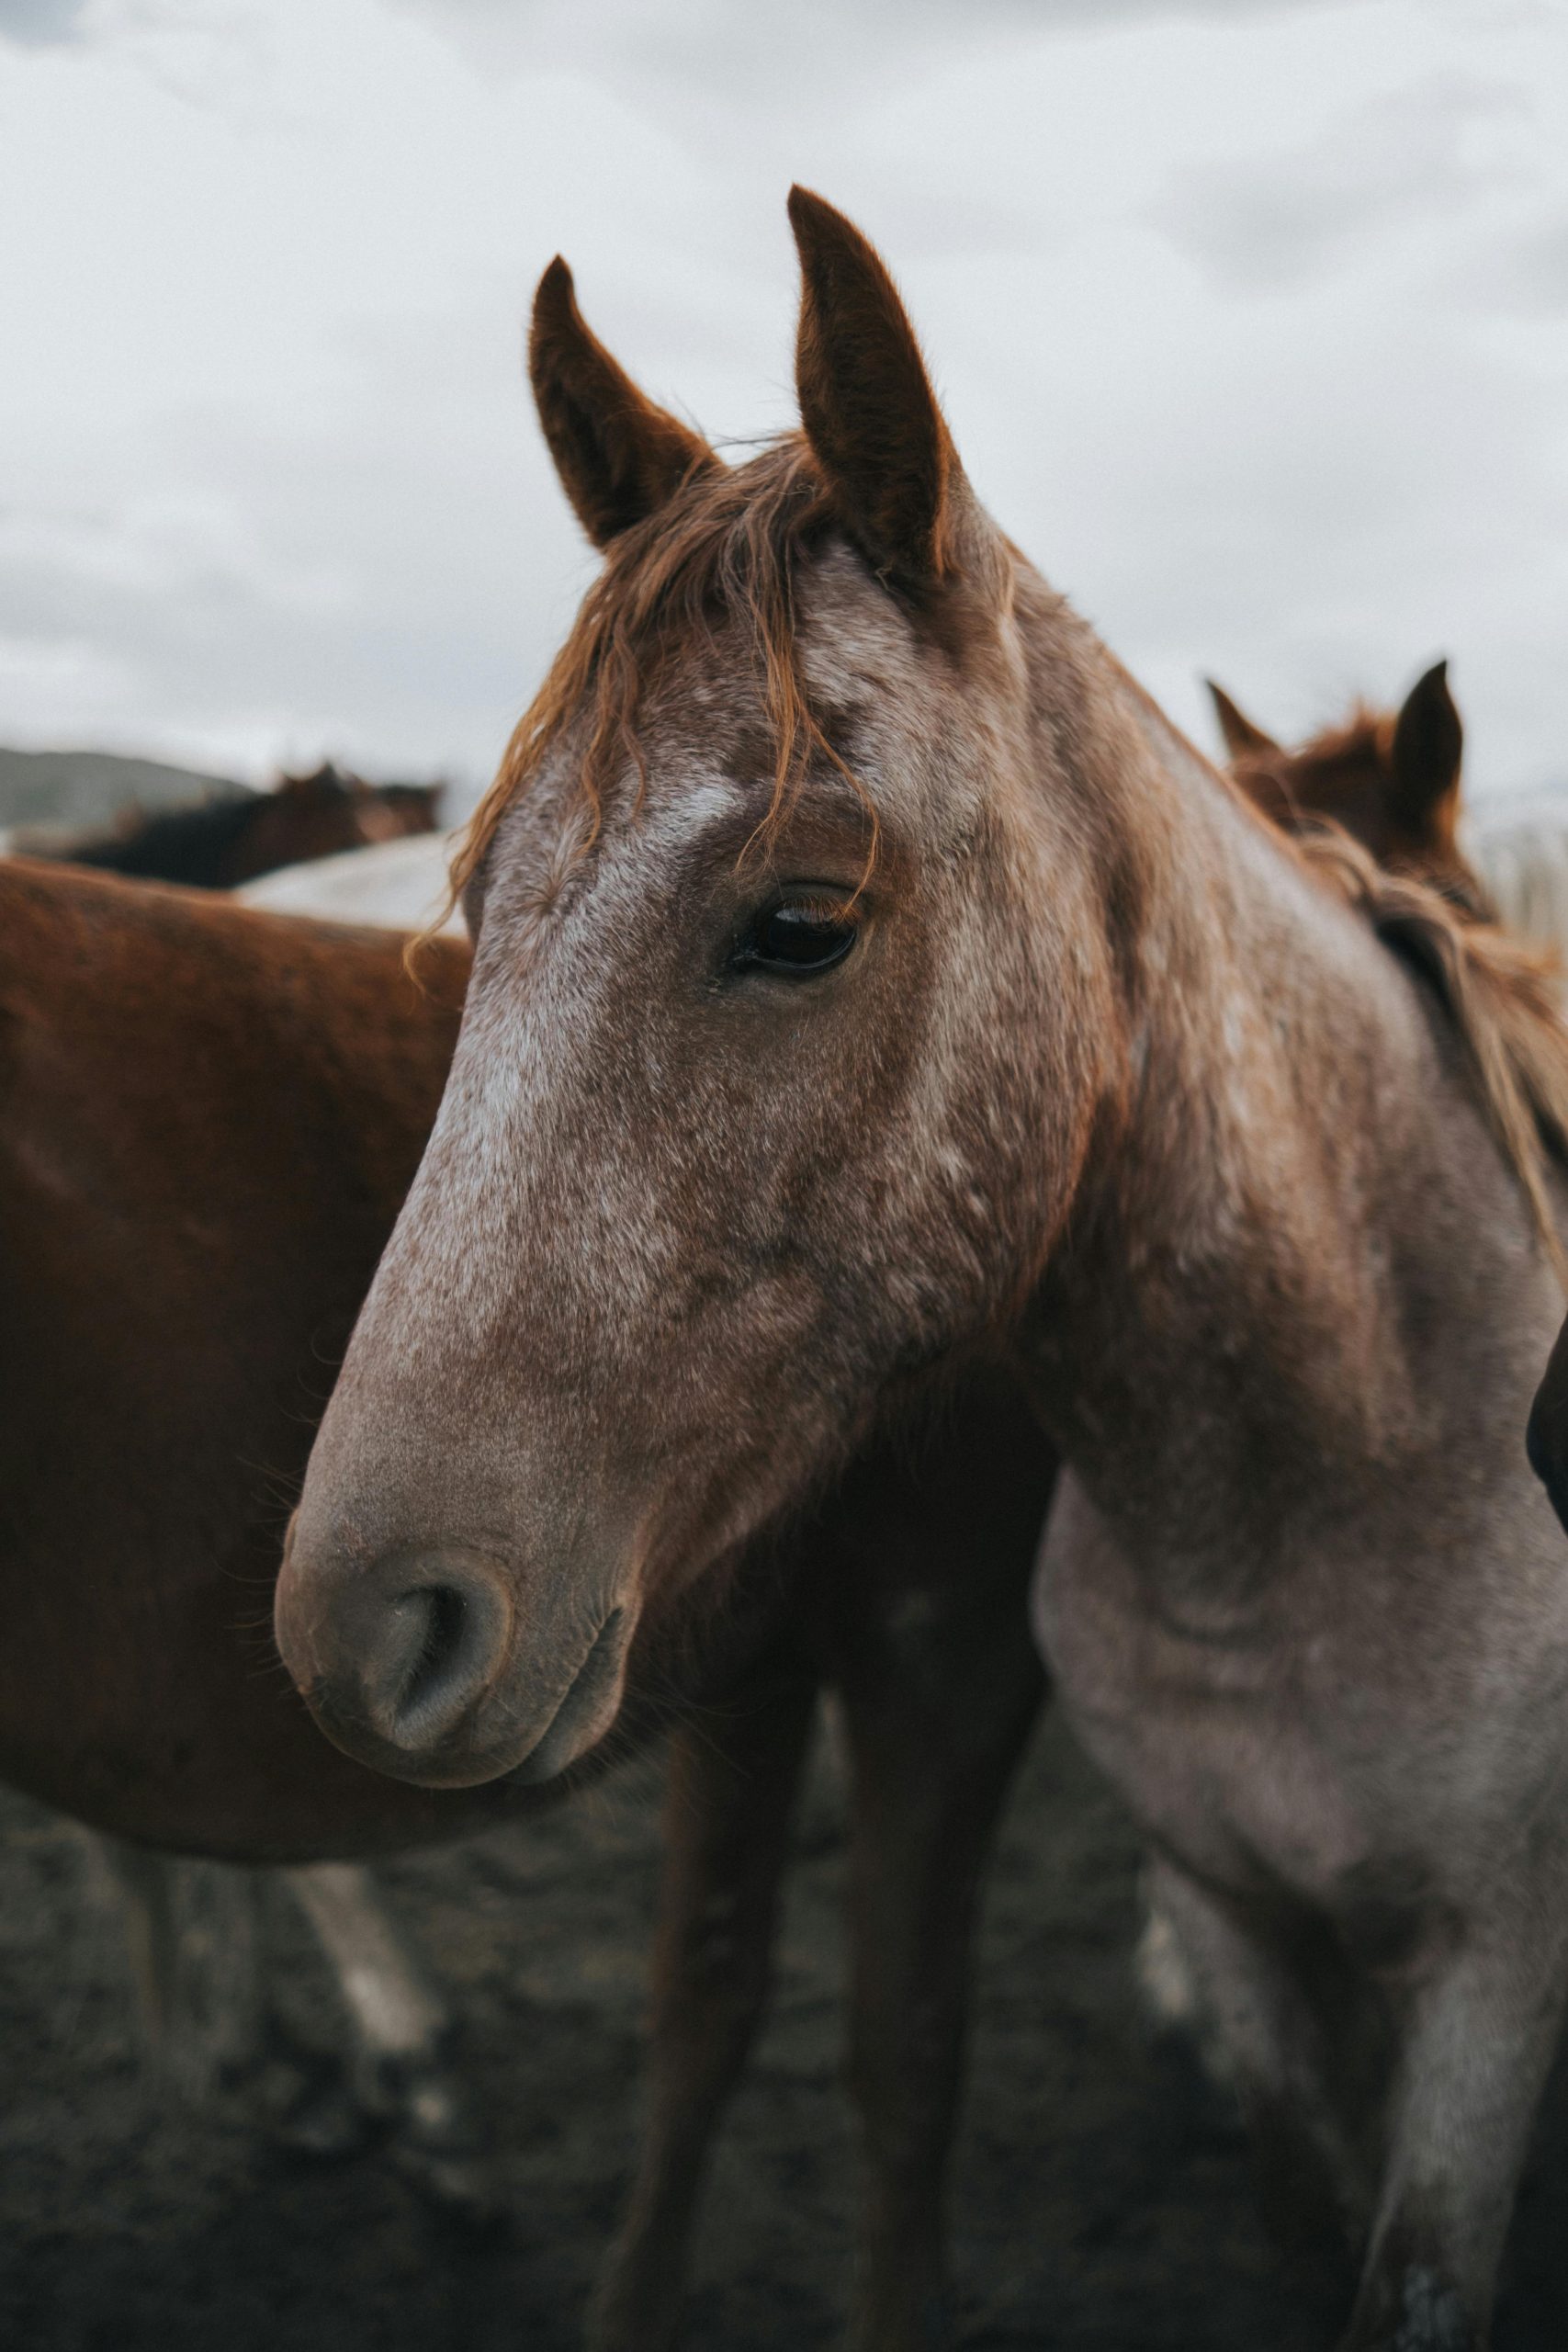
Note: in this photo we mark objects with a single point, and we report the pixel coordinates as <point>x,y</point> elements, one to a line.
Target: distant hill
<point>81,789</point>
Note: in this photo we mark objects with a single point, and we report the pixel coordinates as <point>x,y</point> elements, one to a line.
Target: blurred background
<point>1251,317</point>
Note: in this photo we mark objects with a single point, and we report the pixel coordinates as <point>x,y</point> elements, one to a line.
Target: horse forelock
<point>727,547</point>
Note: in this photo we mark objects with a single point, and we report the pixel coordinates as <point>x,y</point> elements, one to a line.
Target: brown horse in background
<point>208,1118</point>
<point>1392,779</point>
<point>869,983</point>
<point>227,841</point>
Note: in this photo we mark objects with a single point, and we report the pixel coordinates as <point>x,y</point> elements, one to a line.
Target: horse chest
<point>1205,1723</point>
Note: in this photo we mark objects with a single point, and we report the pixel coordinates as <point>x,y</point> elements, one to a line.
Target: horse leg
<point>200,2025</point>
<point>403,2033</point>
<point>198,2030</point>
<point>937,1708</point>
<point>144,1882</point>
<point>1479,2037</point>
<point>731,1789</point>
<point>1263,2035</point>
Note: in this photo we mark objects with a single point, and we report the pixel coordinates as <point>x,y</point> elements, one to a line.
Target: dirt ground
<point>1101,2205</point>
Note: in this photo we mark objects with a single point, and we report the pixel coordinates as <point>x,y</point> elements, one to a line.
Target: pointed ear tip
<point>812,217</point>
<point>1432,688</point>
<point>805,211</point>
<point>554,291</point>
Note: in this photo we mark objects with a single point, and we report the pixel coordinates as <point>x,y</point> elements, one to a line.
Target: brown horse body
<point>207,1121</point>
<point>914,996</point>
<point>208,1118</point>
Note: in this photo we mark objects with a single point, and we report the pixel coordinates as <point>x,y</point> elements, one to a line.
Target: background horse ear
<point>619,457</point>
<point>1242,739</point>
<point>869,412</point>
<point>1427,749</point>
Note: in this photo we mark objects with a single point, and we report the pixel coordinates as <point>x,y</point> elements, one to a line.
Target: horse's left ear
<point>869,411</point>
<point>1428,748</point>
<point>618,454</point>
<point>1243,739</point>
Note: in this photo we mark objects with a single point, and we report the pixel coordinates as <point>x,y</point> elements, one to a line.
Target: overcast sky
<point>1251,321</point>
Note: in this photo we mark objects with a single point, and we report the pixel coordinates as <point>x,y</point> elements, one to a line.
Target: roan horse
<point>225,842</point>
<point>869,982</point>
<point>208,1118</point>
<point>403,2028</point>
<point>1391,782</point>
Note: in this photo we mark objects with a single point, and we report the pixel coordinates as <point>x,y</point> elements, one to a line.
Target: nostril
<point>440,1649</point>
<point>435,1612</point>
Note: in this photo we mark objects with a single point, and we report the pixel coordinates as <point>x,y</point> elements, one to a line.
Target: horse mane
<point>1363,734</point>
<point>1502,995</point>
<point>726,547</point>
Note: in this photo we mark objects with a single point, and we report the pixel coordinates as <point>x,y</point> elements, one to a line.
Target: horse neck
<point>1296,1177</point>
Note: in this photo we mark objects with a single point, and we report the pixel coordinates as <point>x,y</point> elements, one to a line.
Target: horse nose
<point>433,1651</point>
<point>408,1647</point>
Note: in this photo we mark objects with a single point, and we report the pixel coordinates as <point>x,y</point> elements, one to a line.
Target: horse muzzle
<point>419,1665</point>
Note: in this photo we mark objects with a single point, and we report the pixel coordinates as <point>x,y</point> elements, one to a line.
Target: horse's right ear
<point>619,457</point>
<point>1428,748</point>
<point>1243,739</point>
<point>870,413</point>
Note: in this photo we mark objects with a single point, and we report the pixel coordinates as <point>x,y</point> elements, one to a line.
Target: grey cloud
<point>703,15</point>
<point>753,53</point>
<point>391,613</point>
<point>1524,275</point>
<point>211,658</point>
<point>1306,494</point>
<point>1280,219</point>
<point>41,24</point>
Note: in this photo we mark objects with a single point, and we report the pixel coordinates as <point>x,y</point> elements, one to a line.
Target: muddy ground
<point>1102,2202</point>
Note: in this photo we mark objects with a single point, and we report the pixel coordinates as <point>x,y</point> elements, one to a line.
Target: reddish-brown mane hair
<point>725,546</point>
<point>1361,736</point>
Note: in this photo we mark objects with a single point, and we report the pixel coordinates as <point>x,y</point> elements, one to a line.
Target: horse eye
<point>795,938</point>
